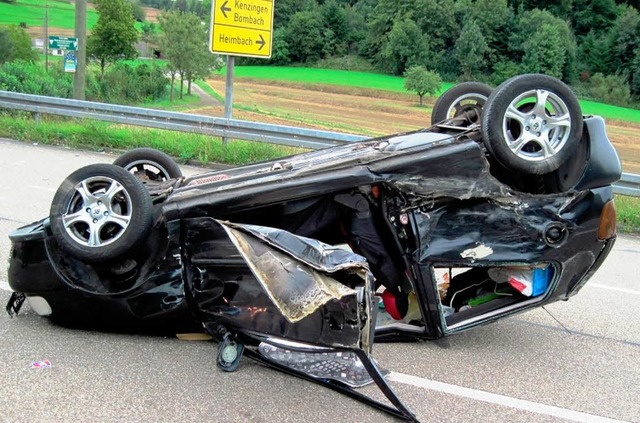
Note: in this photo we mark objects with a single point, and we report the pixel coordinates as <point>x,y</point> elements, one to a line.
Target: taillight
<point>608,221</point>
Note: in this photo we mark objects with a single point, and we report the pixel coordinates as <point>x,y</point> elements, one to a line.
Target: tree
<point>280,48</point>
<point>436,21</point>
<point>470,49</point>
<point>593,15</point>
<point>559,8</point>
<point>181,5</point>
<point>334,19</point>
<point>594,54</point>
<point>15,44</point>
<point>184,43</point>
<point>404,47</point>
<point>529,26</point>
<point>422,81</point>
<point>635,75</point>
<point>6,45</point>
<point>382,19</point>
<point>284,10</point>
<point>544,52</point>
<point>148,31</point>
<point>113,36</point>
<point>137,10</point>
<point>494,19</point>
<point>304,37</point>
<point>625,39</point>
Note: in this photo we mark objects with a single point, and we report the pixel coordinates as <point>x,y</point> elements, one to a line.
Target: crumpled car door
<point>299,305</point>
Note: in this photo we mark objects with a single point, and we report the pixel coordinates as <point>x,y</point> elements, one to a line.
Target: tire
<point>100,212</point>
<point>466,99</point>
<point>532,124</point>
<point>149,164</point>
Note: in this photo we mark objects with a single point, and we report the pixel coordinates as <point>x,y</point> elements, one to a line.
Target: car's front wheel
<point>532,124</point>
<point>100,212</point>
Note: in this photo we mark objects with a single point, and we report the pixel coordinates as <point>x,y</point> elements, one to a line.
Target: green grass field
<point>392,83</point>
<point>104,136</point>
<point>31,12</point>
<point>325,76</point>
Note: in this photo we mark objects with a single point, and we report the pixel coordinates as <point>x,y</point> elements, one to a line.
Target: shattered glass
<point>341,366</point>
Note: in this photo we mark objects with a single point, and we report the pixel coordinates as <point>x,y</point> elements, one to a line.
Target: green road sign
<point>63,43</point>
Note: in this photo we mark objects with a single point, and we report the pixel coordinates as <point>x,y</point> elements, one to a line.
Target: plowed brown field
<point>362,111</point>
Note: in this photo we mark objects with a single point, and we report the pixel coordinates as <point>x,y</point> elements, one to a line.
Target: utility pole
<point>81,54</point>
<point>46,36</point>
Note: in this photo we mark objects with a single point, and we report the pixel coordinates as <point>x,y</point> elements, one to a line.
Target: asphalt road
<point>575,361</point>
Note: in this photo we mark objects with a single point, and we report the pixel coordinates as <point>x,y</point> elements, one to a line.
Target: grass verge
<point>628,209</point>
<point>186,102</point>
<point>103,136</point>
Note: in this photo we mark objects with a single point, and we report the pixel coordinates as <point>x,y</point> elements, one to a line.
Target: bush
<point>348,63</point>
<point>125,83</point>
<point>610,89</point>
<point>503,71</point>
<point>15,44</point>
<point>32,78</point>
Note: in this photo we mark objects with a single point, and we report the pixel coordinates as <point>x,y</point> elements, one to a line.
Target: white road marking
<point>503,400</point>
<point>478,395</point>
<point>5,286</point>
<point>613,288</point>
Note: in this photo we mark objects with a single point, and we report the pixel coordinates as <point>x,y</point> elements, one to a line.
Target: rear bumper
<point>33,272</point>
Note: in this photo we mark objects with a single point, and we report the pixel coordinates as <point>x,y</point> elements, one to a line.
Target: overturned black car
<point>502,205</point>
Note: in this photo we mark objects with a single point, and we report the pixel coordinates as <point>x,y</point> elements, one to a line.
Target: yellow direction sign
<point>241,27</point>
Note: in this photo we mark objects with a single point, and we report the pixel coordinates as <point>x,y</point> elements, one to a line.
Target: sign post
<point>240,28</point>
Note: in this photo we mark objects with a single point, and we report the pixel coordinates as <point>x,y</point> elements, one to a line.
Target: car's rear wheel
<point>464,100</point>
<point>532,124</point>
<point>100,212</point>
<point>149,164</point>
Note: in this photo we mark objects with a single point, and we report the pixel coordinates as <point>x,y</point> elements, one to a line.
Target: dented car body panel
<point>314,293</point>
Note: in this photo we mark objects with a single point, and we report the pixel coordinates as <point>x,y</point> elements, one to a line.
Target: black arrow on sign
<point>224,9</point>
<point>261,42</point>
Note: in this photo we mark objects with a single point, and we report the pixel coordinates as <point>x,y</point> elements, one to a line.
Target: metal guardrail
<point>221,127</point>
<point>629,185</point>
<point>185,122</point>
